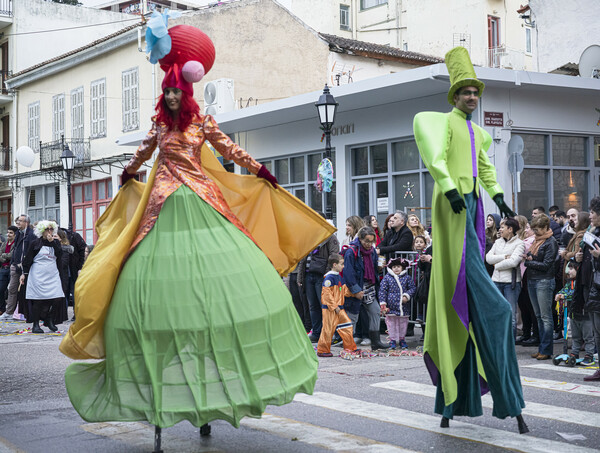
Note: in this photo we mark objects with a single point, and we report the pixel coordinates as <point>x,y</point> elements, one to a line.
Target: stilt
<point>522,425</point>
<point>445,423</point>
<point>205,430</point>
<point>157,440</point>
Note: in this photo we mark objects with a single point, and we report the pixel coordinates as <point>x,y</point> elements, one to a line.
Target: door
<point>371,197</point>
<point>5,158</point>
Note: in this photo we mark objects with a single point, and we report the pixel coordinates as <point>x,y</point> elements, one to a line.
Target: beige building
<point>103,93</point>
<point>27,38</point>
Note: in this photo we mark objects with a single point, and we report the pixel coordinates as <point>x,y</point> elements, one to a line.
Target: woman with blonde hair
<point>41,269</point>
<point>353,224</point>
<point>417,228</point>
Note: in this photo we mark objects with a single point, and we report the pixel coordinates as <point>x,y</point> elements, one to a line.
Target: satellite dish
<point>589,62</point>
<point>25,156</point>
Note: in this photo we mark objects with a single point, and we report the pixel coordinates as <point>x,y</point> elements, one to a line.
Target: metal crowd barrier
<point>415,272</point>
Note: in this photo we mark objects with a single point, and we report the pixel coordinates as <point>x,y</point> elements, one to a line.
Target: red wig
<point>189,110</point>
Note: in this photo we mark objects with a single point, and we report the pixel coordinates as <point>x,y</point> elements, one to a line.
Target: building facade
<point>104,93</point>
<point>377,166</point>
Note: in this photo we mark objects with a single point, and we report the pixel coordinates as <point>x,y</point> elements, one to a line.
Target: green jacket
<point>445,147</point>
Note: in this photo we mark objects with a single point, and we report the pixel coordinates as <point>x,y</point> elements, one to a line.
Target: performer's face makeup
<point>467,99</point>
<point>173,99</point>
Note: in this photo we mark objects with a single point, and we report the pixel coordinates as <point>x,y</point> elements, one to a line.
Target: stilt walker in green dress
<point>469,348</point>
<point>198,325</point>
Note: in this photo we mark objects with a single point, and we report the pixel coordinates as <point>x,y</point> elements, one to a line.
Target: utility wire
<point>72,28</point>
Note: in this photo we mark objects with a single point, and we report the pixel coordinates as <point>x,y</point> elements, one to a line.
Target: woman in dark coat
<point>60,315</point>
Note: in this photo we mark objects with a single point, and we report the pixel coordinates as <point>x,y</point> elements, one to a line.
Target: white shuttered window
<point>58,116</point>
<point>131,103</point>
<point>77,113</point>
<point>98,108</point>
<point>33,120</point>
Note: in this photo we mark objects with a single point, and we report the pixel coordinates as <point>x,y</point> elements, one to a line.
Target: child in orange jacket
<point>334,316</point>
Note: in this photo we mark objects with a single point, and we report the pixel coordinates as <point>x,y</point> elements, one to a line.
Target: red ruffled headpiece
<point>191,57</point>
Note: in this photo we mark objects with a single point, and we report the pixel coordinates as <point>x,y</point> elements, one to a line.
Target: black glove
<point>505,211</point>
<point>266,174</point>
<point>456,201</point>
<point>127,176</point>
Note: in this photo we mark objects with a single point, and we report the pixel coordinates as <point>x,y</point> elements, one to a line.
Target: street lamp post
<point>327,106</point>
<point>68,163</point>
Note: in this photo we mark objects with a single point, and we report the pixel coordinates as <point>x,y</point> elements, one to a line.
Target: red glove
<point>127,176</point>
<point>266,174</point>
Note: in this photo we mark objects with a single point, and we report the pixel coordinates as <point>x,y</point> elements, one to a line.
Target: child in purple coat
<point>395,292</point>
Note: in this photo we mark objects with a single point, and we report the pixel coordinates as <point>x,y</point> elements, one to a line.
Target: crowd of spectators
<point>39,264</point>
<point>540,265</point>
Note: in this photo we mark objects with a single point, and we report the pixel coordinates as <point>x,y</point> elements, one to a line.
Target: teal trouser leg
<point>491,317</point>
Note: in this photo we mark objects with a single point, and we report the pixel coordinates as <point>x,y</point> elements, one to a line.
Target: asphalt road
<point>378,404</point>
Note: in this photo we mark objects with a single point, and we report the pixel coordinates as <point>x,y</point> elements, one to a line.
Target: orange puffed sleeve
<point>144,152</point>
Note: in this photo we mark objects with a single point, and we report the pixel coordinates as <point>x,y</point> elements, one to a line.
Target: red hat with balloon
<point>184,52</point>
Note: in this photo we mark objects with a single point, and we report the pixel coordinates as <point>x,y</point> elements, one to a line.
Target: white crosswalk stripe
<point>533,409</point>
<point>319,436</point>
<point>584,371</point>
<point>580,389</point>
<point>462,430</point>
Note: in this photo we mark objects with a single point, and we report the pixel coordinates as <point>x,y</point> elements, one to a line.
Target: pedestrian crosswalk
<point>475,434</point>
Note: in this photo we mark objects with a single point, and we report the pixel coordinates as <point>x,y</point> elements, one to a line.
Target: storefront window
<point>281,171</point>
<point>297,169</point>
<point>534,151</point>
<point>407,191</point>
<point>405,156</point>
<point>570,189</point>
<point>360,161</point>
<point>568,151</point>
<point>534,190</point>
<point>379,158</point>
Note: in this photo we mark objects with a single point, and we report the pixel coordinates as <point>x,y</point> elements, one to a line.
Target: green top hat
<point>461,72</point>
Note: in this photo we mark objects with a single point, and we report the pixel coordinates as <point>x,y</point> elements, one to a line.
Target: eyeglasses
<point>467,93</point>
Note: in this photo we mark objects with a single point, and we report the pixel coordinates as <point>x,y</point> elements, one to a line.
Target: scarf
<point>539,240</point>
<point>368,262</point>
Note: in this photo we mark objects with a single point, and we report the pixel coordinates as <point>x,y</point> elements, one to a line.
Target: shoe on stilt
<point>522,425</point>
<point>445,423</point>
<point>205,430</point>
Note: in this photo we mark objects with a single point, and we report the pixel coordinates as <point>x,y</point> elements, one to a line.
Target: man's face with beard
<point>572,216</point>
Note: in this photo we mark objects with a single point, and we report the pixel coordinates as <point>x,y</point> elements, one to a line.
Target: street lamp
<point>68,163</point>
<point>327,106</point>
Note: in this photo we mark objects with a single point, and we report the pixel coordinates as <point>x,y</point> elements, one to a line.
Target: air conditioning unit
<point>218,96</point>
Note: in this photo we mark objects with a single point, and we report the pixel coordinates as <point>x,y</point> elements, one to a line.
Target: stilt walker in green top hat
<point>469,347</point>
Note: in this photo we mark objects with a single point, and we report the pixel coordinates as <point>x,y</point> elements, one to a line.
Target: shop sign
<point>493,119</point>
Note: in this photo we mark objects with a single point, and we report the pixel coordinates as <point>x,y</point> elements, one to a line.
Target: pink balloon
<point>193,71</point>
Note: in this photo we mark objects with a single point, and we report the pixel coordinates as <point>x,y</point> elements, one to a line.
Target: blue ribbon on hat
<point>158,40</point>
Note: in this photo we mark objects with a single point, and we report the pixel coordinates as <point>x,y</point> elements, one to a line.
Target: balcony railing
<point>6,8</point>
<point>6,163</point>
<point>505,57</point>
<point>50,152</point>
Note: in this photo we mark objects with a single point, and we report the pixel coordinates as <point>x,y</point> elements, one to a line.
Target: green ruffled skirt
<point>200,328</point>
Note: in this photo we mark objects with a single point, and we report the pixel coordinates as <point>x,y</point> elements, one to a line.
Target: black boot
<point>48,321</point>
<point>35,316</point>
<point>522,425</point>
<point>375,341</point>
<point>445,423</point>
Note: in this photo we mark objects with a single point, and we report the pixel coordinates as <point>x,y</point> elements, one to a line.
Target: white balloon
<point>25,156</point>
